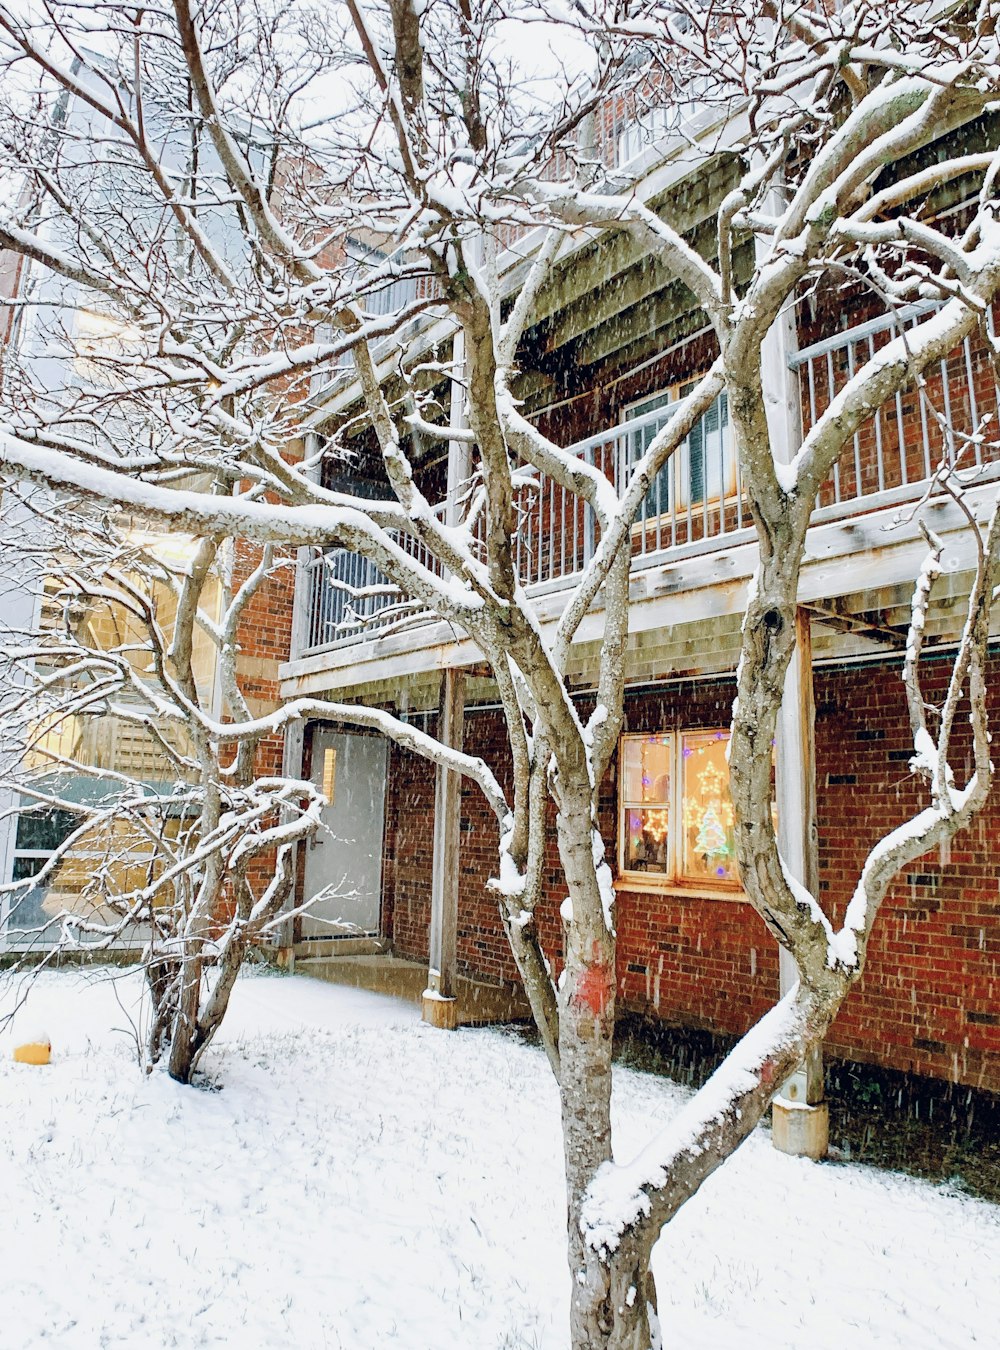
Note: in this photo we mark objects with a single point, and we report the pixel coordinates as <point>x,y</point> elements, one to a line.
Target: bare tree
<point>438,157</point>
<point>128,685</point>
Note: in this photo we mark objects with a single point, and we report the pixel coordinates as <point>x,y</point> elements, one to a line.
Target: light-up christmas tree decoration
<point>711,839</point>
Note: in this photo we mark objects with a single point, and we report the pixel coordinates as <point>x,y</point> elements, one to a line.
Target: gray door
<point>343,868</point>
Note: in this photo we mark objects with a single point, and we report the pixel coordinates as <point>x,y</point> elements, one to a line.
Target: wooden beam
<point>798,839</point>
<point>685,205</point>
<point>441,981</point>
<point>835,615</point>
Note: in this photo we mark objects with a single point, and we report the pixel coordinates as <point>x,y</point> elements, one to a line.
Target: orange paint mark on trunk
<point>593,989</point>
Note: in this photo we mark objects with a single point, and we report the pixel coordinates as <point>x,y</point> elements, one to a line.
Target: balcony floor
<point>873,554</point>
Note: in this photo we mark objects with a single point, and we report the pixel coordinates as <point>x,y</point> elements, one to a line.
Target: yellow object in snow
<point>33,1052</point>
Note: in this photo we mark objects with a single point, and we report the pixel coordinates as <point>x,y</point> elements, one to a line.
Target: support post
<point>292,753</point>
<point>800,1117</point>
<point>305,592</point>
<point>440,1007</point>
<point>459,452</point>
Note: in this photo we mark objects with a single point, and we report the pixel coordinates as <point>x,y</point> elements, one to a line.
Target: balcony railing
<point>697,503</point>
<point>908,439</point>
<point>347,596</point>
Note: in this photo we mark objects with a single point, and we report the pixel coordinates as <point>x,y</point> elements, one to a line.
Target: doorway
<point>342,874</point>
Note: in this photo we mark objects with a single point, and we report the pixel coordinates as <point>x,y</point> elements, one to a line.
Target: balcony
<point>695,526</point>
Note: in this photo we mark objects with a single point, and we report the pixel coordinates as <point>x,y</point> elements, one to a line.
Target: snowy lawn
<point>361,1181</point>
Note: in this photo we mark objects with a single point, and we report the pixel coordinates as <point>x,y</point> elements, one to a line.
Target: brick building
<point>59,334</point>
<point>613,341</point>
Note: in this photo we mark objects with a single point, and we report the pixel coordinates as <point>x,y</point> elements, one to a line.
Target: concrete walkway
<point>478,1004</point>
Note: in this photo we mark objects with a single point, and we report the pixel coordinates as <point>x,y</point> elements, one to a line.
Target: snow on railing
<point>905,441</point>
<point>697,503</point>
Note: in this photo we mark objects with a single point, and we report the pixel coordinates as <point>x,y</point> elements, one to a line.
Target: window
<point>701,470</point>
<point>675,813</point>
<point>329,780</point>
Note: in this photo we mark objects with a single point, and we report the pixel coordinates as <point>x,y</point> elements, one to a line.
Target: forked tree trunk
<point>609,1297</point>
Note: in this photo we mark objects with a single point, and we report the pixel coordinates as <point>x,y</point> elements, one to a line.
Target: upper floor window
<point>701,470</point>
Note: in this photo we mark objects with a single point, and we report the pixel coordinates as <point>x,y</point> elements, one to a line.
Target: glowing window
<point>329,784</point>
<point>709,848</point>
<point>675,816</point>
<point>645,808</point>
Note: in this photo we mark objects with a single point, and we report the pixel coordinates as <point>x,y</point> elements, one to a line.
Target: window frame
<point>683,506</point>
<point>626,804</point>
<point>674,879</point>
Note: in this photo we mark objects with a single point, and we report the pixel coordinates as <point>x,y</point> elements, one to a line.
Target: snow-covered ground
<point>361,1181</point>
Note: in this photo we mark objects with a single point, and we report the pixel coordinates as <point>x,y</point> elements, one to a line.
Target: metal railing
<point>938,420</point>
<point>697,503</point>
<point>347,596</point>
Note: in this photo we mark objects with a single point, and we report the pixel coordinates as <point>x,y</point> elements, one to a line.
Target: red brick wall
<point>264,637</point>
<point>930,999</point>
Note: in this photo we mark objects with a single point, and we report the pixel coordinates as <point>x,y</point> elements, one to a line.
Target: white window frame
<point>718,463</point>
<point>674,879</point>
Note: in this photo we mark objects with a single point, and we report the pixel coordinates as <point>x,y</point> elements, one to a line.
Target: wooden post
<point>440,1008</point>
<point>800,1118</point>
<point>797,835</point>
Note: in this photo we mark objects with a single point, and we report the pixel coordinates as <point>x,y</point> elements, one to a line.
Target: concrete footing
<point>801,1130</point>
<point>438,1011</point>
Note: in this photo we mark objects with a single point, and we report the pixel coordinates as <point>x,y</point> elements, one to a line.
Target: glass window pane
<point>707,826</point>
<point>709,451</point>
<point>27,907</point>
<point>646,769</point>
<point>647,832</point>
<point>45,827</point>
<point>329,773</point>
<point>645,796</point>
<point>657,499</point>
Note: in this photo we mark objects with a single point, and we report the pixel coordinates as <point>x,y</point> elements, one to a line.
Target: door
<point>343,866</point>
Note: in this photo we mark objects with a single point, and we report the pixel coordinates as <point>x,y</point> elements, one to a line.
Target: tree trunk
<point>609,1297</point>
<point>616,1302</point>
<point>183,1034</point>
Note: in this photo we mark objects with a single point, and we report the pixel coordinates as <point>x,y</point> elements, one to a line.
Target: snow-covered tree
<point>124,721</point>
<point>214,249</point>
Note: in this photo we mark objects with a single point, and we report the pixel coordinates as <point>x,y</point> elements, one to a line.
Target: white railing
<point>697,503</point>
<point>347,596</point>
<point>695,500</point>
<point>906,440</point>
